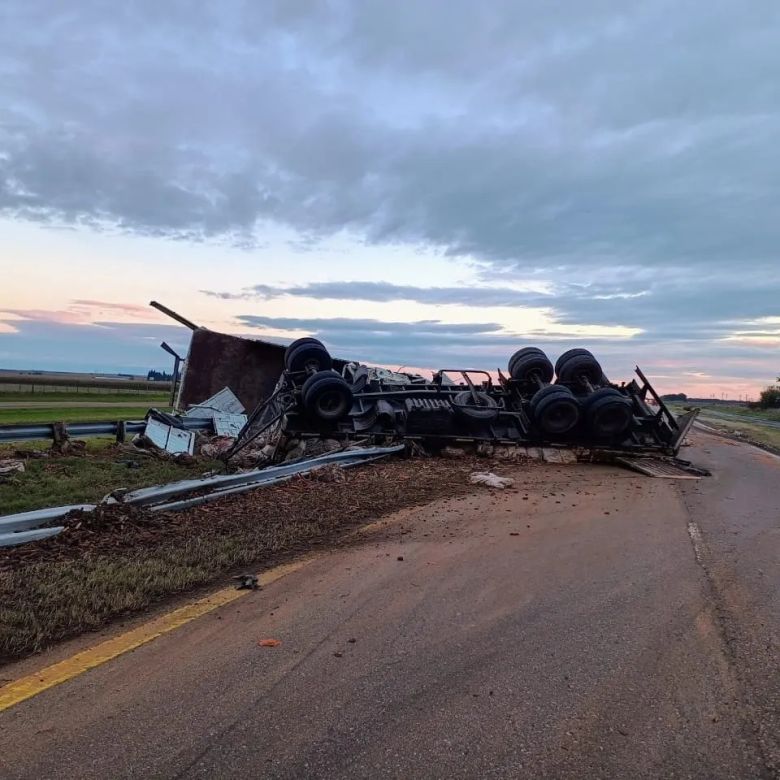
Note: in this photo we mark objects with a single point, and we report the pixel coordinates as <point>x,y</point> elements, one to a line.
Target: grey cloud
<point>348,325</point>
<point>518,133</point>
<point>689,306</point>
<point>485,346</point>
<point>626,145</point>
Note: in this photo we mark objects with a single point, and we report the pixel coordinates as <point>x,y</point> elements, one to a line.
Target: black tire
<point>307,354</point>
<point>327,396</point>
<point>570,353</point>
<point>531,366</point>
<point>608,413</point>
<point>545,392</point>
<point>484,409</point>
<point>577,367</point>
<point>522,353</point>
<point>557,414</point>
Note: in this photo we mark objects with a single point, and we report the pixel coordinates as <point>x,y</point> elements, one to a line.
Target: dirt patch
<point>121,559</point>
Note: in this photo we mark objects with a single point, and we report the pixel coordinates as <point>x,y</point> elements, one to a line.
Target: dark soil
<point>118,559</point>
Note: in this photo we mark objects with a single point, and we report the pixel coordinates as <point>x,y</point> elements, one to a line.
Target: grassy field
<point>66,479</point>
<point>773,415</point>
<point>752,432</point>
<point>92,396</point>
<point>79,414</point>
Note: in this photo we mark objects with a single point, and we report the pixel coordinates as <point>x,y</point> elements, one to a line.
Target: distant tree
<point>158,376</point>
<point>769,398</point>
<point>674,397</point>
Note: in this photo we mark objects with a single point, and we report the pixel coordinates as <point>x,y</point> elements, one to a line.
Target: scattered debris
<point>269,643</point>
<point>246,582</point>
<point>331,473</point>
<point>490,479</point>
<point>223,402</point>
<point>163,432</point>
<point>667,468</point>
<point>453,452</point>
<point>188,493</point>
<point>215,446</point>
<point>9,466</point>
<point>229,424</point>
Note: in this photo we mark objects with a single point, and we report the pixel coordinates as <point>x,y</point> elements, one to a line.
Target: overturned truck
<point>535,403</point>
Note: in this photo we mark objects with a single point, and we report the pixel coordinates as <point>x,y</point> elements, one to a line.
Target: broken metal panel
<point>229,424</point>
<point>168,438</point>
<point>250,368</point>
<point>224,402</point>
<point>666,468</point>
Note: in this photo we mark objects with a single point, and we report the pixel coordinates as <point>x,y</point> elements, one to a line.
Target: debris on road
<point>9,467</point>
<point>269,643</point>
<point>490,479</point>
<point>246,582</point>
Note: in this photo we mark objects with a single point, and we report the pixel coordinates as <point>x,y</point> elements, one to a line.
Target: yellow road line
<point>33,684</point>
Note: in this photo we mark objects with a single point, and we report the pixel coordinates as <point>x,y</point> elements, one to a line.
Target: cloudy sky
<point>421,183</point>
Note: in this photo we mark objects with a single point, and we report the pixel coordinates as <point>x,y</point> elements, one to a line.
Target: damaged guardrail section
<point>31,526</point>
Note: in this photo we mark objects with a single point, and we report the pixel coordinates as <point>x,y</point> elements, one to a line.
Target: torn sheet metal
<point>229,424</point>
<point>173,440</point>
<point>664,468</point>
<point>223,402</point>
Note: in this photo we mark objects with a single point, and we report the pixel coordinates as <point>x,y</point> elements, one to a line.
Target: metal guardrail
<point>30,526</point>
<point>119,429</point>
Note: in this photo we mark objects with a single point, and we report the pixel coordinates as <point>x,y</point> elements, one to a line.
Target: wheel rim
<point>330,403</point>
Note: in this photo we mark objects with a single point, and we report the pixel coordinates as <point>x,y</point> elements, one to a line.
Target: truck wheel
<point>327,396</point>
<point>570,353</point>
<point>524,368</point>
<point>544,392</point>
<point>579,366</point>
<point>608,413</point>
<point>522,353</point>
<point>485,408</point>
<point>307,354</point>
<point>556,413</point>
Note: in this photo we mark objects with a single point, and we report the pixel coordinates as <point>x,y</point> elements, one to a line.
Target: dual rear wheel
<point>555,408</point>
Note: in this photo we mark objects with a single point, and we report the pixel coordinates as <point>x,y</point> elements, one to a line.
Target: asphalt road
<point>594,623</point>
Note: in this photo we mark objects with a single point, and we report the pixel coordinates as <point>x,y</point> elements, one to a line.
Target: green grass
<point>49,601</point>
<point>752,432</point>
<point>743,411</point>
<point>81,414</point>
<point>87,397</point>
<point>59,480</point>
